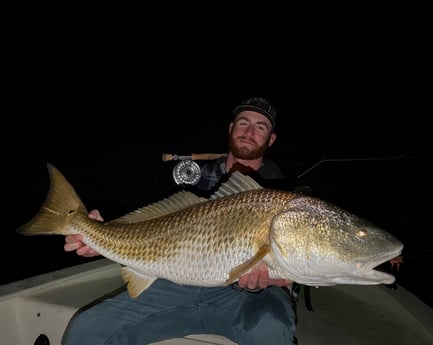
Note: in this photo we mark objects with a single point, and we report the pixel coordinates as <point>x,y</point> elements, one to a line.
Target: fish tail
<point>61,204</point>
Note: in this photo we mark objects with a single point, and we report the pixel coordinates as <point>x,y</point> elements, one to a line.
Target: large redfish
<point>208,242</point>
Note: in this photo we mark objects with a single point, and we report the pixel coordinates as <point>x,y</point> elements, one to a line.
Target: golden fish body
<point>210,242</point>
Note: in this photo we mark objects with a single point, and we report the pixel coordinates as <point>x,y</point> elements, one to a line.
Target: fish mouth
<point>365,271</point>
<point>369,267</point>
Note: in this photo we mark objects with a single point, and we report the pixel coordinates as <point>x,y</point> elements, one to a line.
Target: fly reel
<point>186,172</point>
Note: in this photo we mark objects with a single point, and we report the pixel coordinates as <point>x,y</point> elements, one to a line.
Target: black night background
<point>363,146</point>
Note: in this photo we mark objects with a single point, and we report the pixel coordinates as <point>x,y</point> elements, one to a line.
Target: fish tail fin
<point>61,203</point>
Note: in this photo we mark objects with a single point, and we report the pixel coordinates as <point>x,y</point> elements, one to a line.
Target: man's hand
<point>74,242</point>
<point>258,278</point>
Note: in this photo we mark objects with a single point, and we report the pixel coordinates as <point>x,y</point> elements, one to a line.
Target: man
<point>255,310</point>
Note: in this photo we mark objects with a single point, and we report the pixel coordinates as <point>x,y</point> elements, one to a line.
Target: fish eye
<point>361,233</point>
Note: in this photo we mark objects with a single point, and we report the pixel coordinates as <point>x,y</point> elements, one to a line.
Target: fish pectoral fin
<point>237,271</point>
<point>135,284</point>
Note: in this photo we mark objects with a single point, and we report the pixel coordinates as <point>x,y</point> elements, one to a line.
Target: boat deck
<point>43,305</point>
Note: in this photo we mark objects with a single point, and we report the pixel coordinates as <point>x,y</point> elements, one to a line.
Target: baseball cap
<point>260,105</point>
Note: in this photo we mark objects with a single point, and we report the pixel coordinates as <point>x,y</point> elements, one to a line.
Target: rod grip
<point>194,156</point>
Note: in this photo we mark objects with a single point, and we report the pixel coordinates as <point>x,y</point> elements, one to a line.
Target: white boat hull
<point>42,306</point>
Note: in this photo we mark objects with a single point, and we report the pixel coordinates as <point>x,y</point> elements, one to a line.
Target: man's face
<point>250,135</point>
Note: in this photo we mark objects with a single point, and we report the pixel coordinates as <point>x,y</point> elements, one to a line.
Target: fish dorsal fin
<point>237,271</point>
<point>173,203</point>
<point>134,283</point>
<point>236,183</point>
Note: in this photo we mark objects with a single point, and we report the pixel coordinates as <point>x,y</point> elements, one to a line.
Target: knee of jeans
<point>267,327</point>
<point>269,331</point>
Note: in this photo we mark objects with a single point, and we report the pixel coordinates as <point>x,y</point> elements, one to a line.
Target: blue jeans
<point>167,310</point>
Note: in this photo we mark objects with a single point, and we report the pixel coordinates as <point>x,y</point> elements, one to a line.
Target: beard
<point>245,152</point>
